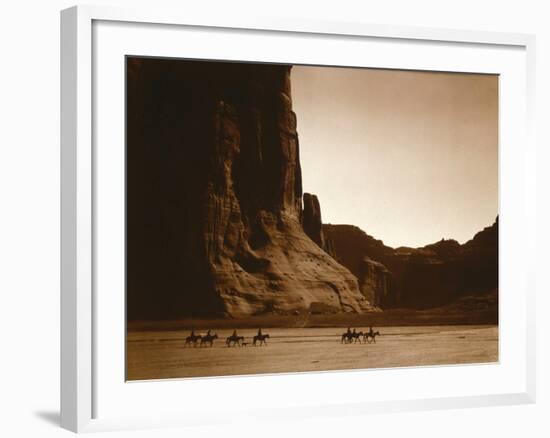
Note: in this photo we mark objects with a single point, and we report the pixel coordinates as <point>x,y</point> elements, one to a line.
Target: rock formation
<point>431,276</point>
<point>374,281</point>
<point>350,245</point>
<point>214,207</point>
<point>311,221</point>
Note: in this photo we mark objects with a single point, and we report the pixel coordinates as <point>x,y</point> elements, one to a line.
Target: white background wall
<point>29,217</point>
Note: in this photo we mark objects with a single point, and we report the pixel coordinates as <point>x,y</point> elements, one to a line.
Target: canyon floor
<point>160,354</point>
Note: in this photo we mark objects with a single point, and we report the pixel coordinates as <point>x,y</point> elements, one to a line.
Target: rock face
<point>367,258</point>
<point>311,221</point>
<point>431,276</point>
<point>374,280</point>
<point>351,245</point>
<point>214,204</point>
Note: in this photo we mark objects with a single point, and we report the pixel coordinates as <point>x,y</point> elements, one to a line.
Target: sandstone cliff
<point>431,276</point>
<point>374,281</point>
<point>367,258</point>
<point>312,221</point>
<point>214,202</point>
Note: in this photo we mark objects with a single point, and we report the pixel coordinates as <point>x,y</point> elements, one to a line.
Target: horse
<point>356,336</point>
<point>346,337</point>
<point>192,340</point>
<point>235,339</point>
<point>372,336</point>
<point>208,339</point>
<point>261,338</point>
<point>351,337</point>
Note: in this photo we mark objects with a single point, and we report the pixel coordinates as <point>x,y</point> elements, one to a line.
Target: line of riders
<point>348,337</point>
<point>233,340</point>
<point>351,337</point>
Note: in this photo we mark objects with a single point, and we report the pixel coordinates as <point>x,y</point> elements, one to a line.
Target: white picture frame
<point>80,166</point>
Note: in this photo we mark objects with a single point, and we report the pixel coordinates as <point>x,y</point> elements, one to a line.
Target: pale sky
<point>409,157</point>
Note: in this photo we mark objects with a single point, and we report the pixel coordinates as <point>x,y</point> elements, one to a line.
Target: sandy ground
<point>161,354</point>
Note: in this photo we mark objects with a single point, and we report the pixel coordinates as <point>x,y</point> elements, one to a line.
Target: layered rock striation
<point>215,220</point>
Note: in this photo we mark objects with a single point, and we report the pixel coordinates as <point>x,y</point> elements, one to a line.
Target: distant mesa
<point>419,278</point>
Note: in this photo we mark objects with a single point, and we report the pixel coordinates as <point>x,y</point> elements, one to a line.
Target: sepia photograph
<point>298,218</point>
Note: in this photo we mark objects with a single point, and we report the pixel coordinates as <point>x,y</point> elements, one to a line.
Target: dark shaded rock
<point>431,276</point>
<point>311,221</point>
<point>351,245</point>
<point>374,281</point>
<point>214,207</point>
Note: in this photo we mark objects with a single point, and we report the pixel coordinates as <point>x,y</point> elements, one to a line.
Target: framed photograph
<point>252,209</point>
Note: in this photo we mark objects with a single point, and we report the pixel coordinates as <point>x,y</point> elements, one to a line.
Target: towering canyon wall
<point>214,207</point>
